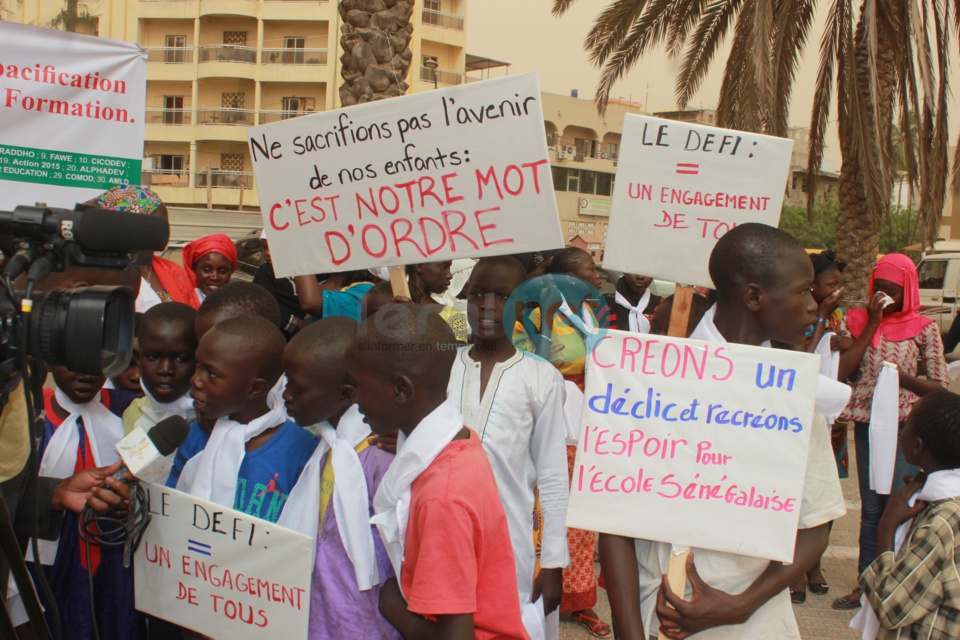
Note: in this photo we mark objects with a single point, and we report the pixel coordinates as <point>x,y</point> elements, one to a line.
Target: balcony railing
<point>294,56</point>
<point>170,55</point>
<point>440,19</point>
<point>268,116</point>
<point>296,0</point>
<point>175,117</point>
<point>242,117</point>
<point>225,179</point>
<point>165,178</point>
<point>440,76</point>
<point>228,53</point>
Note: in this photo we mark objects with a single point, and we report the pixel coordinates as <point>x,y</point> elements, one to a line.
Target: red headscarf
<point>217,243</point>
<point>906,323</point>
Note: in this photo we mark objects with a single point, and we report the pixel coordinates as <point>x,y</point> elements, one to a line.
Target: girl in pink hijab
<point>893,332</point>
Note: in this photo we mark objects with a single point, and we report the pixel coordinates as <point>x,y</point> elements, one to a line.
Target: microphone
<point>97,230</point>
<point>145,454</point>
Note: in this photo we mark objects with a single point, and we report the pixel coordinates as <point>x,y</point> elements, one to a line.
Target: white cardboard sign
<point>680,186</point>
<point>694,443</point>
<point>461,172</point>
<point>71,115</point>
<point>221,572</point>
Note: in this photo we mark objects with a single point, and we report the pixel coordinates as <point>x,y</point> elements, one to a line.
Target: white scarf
<point>212,474</point>
<point>414,455</point>
<point>103,428</point>
<point>351,497</point>
<point>154,411</point>
<point>832,396</point>
<point>884,428</point>
<point>638,321</point>
<point>939,485</point>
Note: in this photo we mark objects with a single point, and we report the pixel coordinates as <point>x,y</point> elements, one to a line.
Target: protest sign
<point>71,115</point>
<point>677,434</point>
<point>681,186</point>
<point>461,172</point>
<point>221,572</point>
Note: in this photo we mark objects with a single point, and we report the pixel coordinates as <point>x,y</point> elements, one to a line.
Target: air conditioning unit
<point>561,154</point>
<point>571,150</point>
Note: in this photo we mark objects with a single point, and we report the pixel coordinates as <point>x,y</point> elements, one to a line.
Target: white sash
<point>884,427</point>
<point>351,497</point>
<point>638,321</point>
<point>415,454</point>
<point>155,411</point>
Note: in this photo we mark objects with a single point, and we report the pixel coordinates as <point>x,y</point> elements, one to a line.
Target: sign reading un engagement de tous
<point>681,186</point>
<point>453,173</point>
<point>71,115</point>
<point>221,572</point>
<point>694,432</point>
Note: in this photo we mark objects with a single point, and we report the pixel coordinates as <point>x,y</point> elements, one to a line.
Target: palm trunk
<point>858,227</point>
<point>375,37</point>
<point>70,17</point>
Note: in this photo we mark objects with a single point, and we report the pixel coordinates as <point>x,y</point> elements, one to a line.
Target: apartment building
<point>216,67</point>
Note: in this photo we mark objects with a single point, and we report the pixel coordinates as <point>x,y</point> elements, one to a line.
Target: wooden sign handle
<point>679,321</point>
<point>398,282</point>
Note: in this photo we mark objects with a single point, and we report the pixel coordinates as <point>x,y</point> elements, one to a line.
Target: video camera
<point>88,329</point>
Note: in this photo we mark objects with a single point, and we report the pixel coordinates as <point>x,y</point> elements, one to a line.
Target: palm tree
<point>375,37</point>
<point>882,60</point>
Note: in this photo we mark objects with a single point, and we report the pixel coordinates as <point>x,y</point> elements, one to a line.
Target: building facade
<point>216,67</point>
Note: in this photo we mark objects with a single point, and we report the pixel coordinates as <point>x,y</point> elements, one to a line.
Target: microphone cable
<point>110,531</point>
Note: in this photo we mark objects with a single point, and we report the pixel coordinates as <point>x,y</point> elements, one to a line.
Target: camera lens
<point>88,330</point>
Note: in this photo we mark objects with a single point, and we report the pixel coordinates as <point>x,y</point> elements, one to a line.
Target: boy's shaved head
<point>241,299</point>
<point>167,313</point>
<point>508,262</point>
<point>260,341</point>
<point>325,343</point>
<point>391,341</point>
<point>934,419</point>
<point>749,253</point>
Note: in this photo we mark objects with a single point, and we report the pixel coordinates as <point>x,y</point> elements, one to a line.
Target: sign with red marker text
<point>221,572</point>
<point>694,443</point>
<point>71,115</point>
<point>461,172</point>
<point>680,186</point>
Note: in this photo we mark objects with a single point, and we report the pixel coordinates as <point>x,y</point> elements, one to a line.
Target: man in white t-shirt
<point>763,279</point>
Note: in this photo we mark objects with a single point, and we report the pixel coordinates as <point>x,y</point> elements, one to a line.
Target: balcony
<point>440,76</point>
<point>225,179</point>
<point>268,116</point>
<point>228,53</point>
<point>232,117</point>
<point>165,178</point>
<point>169,117</point>
<point>170,63</point>
<point>299,57</point>
<point>229,8</point>
<point>169,55</point>
<point>172,9</point>
<point>444,20</point>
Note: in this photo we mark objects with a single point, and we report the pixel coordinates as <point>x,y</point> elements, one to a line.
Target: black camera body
<point>88,329</point>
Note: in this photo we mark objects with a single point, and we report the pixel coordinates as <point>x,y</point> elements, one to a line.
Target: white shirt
<point>521,425</point>
<point>822,501</point>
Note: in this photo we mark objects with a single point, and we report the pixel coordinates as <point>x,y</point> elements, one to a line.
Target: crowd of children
<point>431,467</point>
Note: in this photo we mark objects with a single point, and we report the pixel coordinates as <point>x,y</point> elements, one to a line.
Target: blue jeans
<point>873,503</point>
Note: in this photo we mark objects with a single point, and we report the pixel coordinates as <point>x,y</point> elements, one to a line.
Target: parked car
<point>939,276</point>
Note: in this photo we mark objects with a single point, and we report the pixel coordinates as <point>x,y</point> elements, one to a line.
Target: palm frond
<point>793,21</point>
<point>706,40</point>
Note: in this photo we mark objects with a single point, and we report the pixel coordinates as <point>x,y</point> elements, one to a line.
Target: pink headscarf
<point>906,323</point>
<point>216,243</point>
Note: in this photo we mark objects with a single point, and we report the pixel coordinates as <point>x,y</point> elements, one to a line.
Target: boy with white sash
<point>333,500</point>
<point>438,510</point>
<point>515,402</point>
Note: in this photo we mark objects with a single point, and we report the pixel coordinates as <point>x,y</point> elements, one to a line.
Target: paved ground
<point>816,619</point>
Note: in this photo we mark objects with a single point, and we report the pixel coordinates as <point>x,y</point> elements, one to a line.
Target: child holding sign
<point>912,586</point>
<point>333,500</point>
<point>168,346</point>
<point>763,279</point>
<point>254,455</point>
<point>515,404</point>
<point>438,510</point>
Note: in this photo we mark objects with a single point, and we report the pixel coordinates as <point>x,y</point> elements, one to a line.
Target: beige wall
<point>272,94</point>
<point>153,33</point>
<point>274,31</point>
<point>211,29</point>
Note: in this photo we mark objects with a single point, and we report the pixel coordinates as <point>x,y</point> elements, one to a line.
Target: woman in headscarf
<point>209,262</point>
<point>893,332</point>
<point>162,280</point>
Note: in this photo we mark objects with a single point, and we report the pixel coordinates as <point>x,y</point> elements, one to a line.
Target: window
<point>559,178</point>
<point>932,273</point>
<point>175,53</point>
<point>297,43</point>
<point>291,107</point>
<point>432,5</point>
<point>588,181</point>
<point>803,185</point>
<point>585,147</point>
<point>166,163</point>
<point>173,110</point>
<point>573,180</point>
<point>613,150</point>
<point>794,187</point>
<point>605,184</point>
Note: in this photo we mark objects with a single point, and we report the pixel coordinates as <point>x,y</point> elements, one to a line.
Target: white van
<point>939,276</point>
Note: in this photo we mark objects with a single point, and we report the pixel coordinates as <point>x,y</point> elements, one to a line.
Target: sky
<point>524,33</point>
